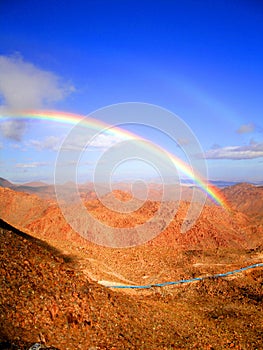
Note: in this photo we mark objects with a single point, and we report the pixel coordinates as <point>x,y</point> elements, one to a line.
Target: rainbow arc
<point>69,118</point>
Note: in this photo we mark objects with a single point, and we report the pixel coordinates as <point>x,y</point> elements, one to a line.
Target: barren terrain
<point>51,279</point>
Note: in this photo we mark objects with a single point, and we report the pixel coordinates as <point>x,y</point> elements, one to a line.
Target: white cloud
<point>49,143</point>
<point>13,129</point>
<point>30,165</point>
<point>100,141</point>
<point>251,151</point>
<point>25,86</point>
<point>246,128</point>
<point>105,141</point>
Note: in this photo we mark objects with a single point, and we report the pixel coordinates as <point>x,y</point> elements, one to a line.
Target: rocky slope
<point>247,199</point>
<point>162,258</point>
<point>214,228</point>
<point>45,298</point>
<point>48,293</point>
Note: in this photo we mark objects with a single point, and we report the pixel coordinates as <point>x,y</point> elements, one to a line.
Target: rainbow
<point>69,118</point>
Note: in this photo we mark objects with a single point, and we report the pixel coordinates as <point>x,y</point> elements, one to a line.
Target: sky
<point>200,60</point>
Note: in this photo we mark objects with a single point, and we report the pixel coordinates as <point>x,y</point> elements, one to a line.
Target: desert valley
<point>131,162</point>
<point>57,288</point>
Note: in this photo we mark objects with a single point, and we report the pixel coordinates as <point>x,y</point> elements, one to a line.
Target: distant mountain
<point>246,198</point>
<point>43,191</point>
<point>222,184</point>
<point>6,183</point>
<point>214,228</point>
<point>35,184</point>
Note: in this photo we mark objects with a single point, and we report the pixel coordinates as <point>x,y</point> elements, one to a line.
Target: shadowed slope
<point>44,299</point>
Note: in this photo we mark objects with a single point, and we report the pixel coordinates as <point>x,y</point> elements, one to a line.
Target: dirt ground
<point>48,296</point>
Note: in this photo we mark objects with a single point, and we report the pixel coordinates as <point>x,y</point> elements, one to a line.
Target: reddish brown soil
<point>48,293</point>
<point>45,299</point>
<point>160,259</point>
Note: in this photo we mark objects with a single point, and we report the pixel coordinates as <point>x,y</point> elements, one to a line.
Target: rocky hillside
<point>246,198</point>
<point>162,258</point>
<point>46,299</point>
<point>214,228</point>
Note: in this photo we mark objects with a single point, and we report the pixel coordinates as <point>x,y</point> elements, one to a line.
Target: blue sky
<point>202,60</point>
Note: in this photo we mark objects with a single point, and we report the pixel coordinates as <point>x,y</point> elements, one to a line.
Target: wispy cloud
<point>17,146</point>
<point>78,143</point>
<point>49,143</point>
<point>77,163</point>
<point>30,165</point>
<point>99,142</point>
<point>105,140</point>
<point>251,151</point>
<point>246,128</point>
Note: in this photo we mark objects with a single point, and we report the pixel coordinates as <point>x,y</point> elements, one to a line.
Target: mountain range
<point>53,280</point>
